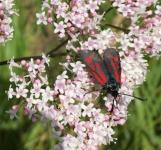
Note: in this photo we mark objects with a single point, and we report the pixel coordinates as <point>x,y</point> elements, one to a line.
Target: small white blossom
<point>41,18</point>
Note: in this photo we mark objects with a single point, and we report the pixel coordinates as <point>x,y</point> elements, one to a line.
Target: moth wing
<point>95,65</point>
<point>111,59</point>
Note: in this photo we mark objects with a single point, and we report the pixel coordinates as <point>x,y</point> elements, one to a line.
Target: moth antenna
<point>139,98</point>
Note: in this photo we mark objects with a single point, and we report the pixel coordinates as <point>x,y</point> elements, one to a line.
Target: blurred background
<point>142,131</point>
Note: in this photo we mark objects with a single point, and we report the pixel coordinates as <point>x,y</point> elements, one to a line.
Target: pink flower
<point>60,27</point>
<point>36,88</point>
<point>87,110</point>
<point>77,20</point>
<point>61,10</point>
<point>48,94</point>
<point>93,6</point>
<point>13,112</point>
<point>11,93</point>
<point>21,91</point>
<point>41,18</point>
<point>60,85</point>
<point>55,2</point>
<point>30,102</point>
<point>77,66</point>
<point>32,66</point>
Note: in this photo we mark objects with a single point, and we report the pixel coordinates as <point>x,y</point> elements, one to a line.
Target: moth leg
<point>113,105</point>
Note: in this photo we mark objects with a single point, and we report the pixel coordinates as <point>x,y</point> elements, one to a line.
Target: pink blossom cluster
<point>32,87</point>
<point>72,17</point>
<point>145,37</point>
<point>133,8</point>
<point>6,12</point>
<point>67,104</point>
<point>99,41</point>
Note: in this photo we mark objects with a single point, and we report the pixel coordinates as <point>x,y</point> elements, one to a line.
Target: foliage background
<point>142,130</point>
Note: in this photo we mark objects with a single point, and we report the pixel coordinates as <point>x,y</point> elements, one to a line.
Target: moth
<point>105,69</point>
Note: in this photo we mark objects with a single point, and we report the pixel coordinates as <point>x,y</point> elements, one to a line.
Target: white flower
<point>158,10</point>
<point>92,6</point>
<point>13,112</point>
<point>11,93</point>
<point>41,18</point>
<point>21,91</point>
<point>78,66</point>
<point>47,94</point>
<point>60,27</point>
<point>46,59</point>
<point>87,110</point>
<point>37,89</point>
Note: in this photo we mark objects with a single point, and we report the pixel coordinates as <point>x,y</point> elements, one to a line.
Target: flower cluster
<point>67,104</point>
<point>130,8</point>
<point>32,87</point>
<point>75,16</point>
<point>101,41</point>
<point>145,36</point>
<point>6,11</point>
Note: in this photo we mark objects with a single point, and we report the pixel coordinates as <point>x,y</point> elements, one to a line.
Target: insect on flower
<point>106,70</point>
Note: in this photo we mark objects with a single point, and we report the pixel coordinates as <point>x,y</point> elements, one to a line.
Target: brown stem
<point>50,54</point>
<point>116,27</point>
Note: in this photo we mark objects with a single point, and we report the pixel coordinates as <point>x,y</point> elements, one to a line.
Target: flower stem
<point>51,53</point>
